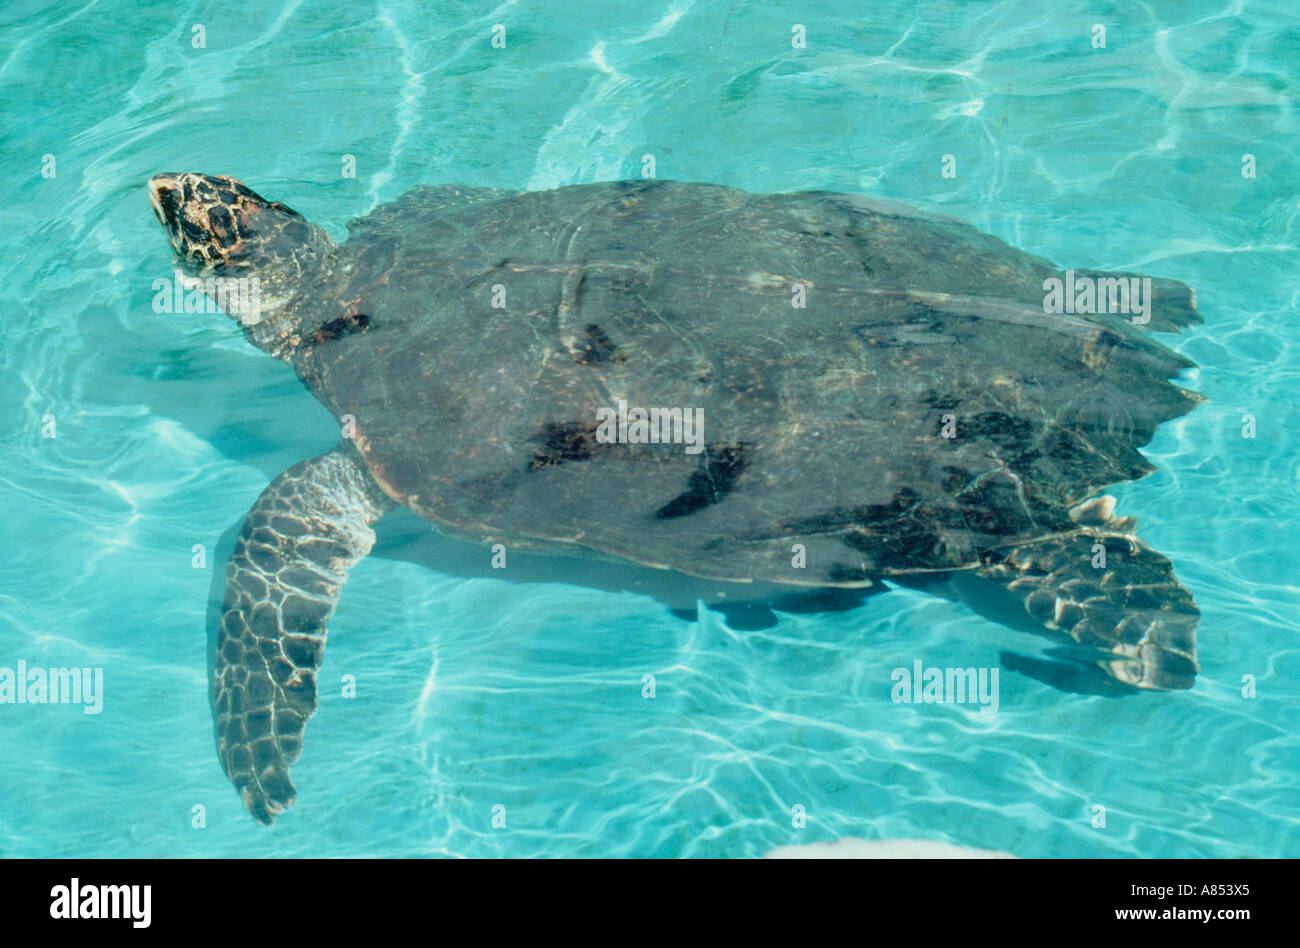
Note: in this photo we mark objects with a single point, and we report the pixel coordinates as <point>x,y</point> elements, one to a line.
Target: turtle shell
<point>880,390</point>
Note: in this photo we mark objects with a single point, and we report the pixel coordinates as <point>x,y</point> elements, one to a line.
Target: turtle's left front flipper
<point>292,556</point>
<point>1111,593</point>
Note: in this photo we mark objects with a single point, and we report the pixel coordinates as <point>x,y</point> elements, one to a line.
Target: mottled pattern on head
<point>220,227</point>
<point>214,221</point>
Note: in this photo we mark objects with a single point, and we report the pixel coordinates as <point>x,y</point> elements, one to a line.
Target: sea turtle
<point>875,392</point>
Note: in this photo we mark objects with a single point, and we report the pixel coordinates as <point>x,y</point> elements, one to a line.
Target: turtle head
<point>216,222</point>
<point>221,228</point>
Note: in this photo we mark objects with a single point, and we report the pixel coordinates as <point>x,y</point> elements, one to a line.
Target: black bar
<point>271,898</point>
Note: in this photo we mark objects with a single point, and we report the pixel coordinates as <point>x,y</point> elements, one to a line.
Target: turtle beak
<point>165,193</point>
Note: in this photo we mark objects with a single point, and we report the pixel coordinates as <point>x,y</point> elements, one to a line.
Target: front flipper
<point>1137,622</point>
<point>282,582</point>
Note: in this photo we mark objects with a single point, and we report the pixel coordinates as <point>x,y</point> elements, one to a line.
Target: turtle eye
<point>220,222</point>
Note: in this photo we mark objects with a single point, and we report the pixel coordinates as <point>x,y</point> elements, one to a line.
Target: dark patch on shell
<point>1099,350</point>
<point>563,442</point>
<point>996,426</point>
<point>994,508</point>
<point>345,325</point>
<point>933,398</point>
<point>595,347</point>
<point>921,326</point>
<point>907,547</point>
<point>719,470</point>
<point>955,478</point>
<point>1062,445</point>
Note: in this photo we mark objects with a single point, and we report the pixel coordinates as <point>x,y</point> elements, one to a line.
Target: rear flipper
<point>282,581</point>
<point>1132,614</point>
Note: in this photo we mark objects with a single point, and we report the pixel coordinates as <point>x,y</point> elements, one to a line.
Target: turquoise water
<point>474,692</point>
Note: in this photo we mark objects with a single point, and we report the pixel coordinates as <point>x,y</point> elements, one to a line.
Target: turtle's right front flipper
<point>282,582</point>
